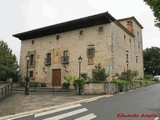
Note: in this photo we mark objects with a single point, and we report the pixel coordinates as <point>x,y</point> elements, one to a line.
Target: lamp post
<point>127,62</point>
<point>79,61</point>
<point>79,84</point>
<point>27,78</point>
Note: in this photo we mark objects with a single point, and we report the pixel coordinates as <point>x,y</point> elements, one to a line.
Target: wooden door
<point>56,77</point>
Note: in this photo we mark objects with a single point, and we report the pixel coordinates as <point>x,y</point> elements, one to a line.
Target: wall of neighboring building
<point>125,45</point>
<point>75,44</point>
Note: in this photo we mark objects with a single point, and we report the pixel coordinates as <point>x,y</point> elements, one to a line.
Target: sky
<point>18,16</point>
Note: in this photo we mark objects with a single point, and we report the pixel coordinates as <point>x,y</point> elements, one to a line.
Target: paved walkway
<point>17,103</point>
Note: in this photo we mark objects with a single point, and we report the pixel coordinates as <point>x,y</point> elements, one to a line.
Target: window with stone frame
<point>30,74</point>
<point>48,59</point>
<point>90,55</point>
<point>31,59</point>
<point>84,75</point>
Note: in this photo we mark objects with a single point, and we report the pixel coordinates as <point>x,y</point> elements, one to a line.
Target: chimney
<point>130,26</point>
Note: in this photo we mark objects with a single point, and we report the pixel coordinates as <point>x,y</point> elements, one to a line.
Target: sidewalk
<point>18,103</point>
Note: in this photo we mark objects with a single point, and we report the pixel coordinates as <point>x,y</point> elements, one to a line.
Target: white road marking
<point>61,116</point>
<point>56,110</point>
<point>157,118</point>
<point>121,92</point>
<point>90,100</point>
<point>130,90</point>
<point>87,117</point>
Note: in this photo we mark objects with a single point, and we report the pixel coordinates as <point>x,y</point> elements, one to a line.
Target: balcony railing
<point>65,59</point>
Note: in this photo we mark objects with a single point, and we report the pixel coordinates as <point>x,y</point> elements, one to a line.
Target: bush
<point>148,77</point>
<point>78,82</point>
<point>122,85</point>
<point>99,74</point>
<point>128,75</point>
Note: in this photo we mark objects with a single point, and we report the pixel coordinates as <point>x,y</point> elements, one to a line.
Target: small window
<point>57,37</point>
<point>139,45</point>
<point>81,32</point>
<point>90,52</point>
<point>32,41</point>
<point>130,41</point>
<point>124,36</point>
<point>126,58</point>
<point>100,29</point>
<point>136,59</point>
<point>84,75</point>
<point>30,74</point>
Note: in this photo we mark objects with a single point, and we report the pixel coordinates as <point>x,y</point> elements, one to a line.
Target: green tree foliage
<point>8,63</point>
<point>155,6</point>
<point>99,74</point>
<point>151,57</point>
<point>128,75</point>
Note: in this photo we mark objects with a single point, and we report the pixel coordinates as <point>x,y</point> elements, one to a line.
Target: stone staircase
<point>42,90</point>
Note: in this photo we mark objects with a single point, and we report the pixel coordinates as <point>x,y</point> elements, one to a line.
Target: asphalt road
<point>139,104</point>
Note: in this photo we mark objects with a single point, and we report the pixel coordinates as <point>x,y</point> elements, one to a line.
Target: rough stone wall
<point>138,45</point>
<point>75,44</point>
<point>111,46</point>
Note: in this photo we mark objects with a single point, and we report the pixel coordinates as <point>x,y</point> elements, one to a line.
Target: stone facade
<point>108,44</point>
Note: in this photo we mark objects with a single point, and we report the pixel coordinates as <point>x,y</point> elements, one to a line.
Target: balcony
<point>65,59</point>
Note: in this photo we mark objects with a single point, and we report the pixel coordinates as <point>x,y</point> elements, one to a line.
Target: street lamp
<point>79,61</point>
<point>27,78</point>
<point>127,62</point>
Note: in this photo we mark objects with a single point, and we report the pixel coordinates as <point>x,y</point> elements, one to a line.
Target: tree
<point>99,74</point>
<point>8,63</point>
<point>151,57</point>
<point>155,6</point>
<point>128,75</point>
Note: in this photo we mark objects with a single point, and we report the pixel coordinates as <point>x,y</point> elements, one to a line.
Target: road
<point>139,104</point>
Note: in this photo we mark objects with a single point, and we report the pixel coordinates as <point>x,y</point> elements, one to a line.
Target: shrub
<point>122,85</point>
<point>68,79</point>
<point>78,82</point>
<point>99,74</point>
<point>128,75</point>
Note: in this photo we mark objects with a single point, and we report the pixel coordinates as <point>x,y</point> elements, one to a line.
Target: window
<point>90,52</point>
<point>139,45</point>
<point>32,41</point>
<point>48,59</point>
<point>32,59</point>
<point>65,53</point>
<point>90,55</point>
<point>57,37</point>
<point>81,32</point>
<point>30,74</point>
<point>100,29</point>
<point>65,57</point>
<point>130,41</point>
<point>84,75</point>
<point>126,58</point>
<point>136,59</point>
<point>124,36</point>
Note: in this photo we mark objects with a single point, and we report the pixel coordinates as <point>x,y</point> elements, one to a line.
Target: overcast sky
<point>22,15</point>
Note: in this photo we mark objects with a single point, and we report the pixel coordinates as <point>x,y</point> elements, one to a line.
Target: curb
<point>24,114</point>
